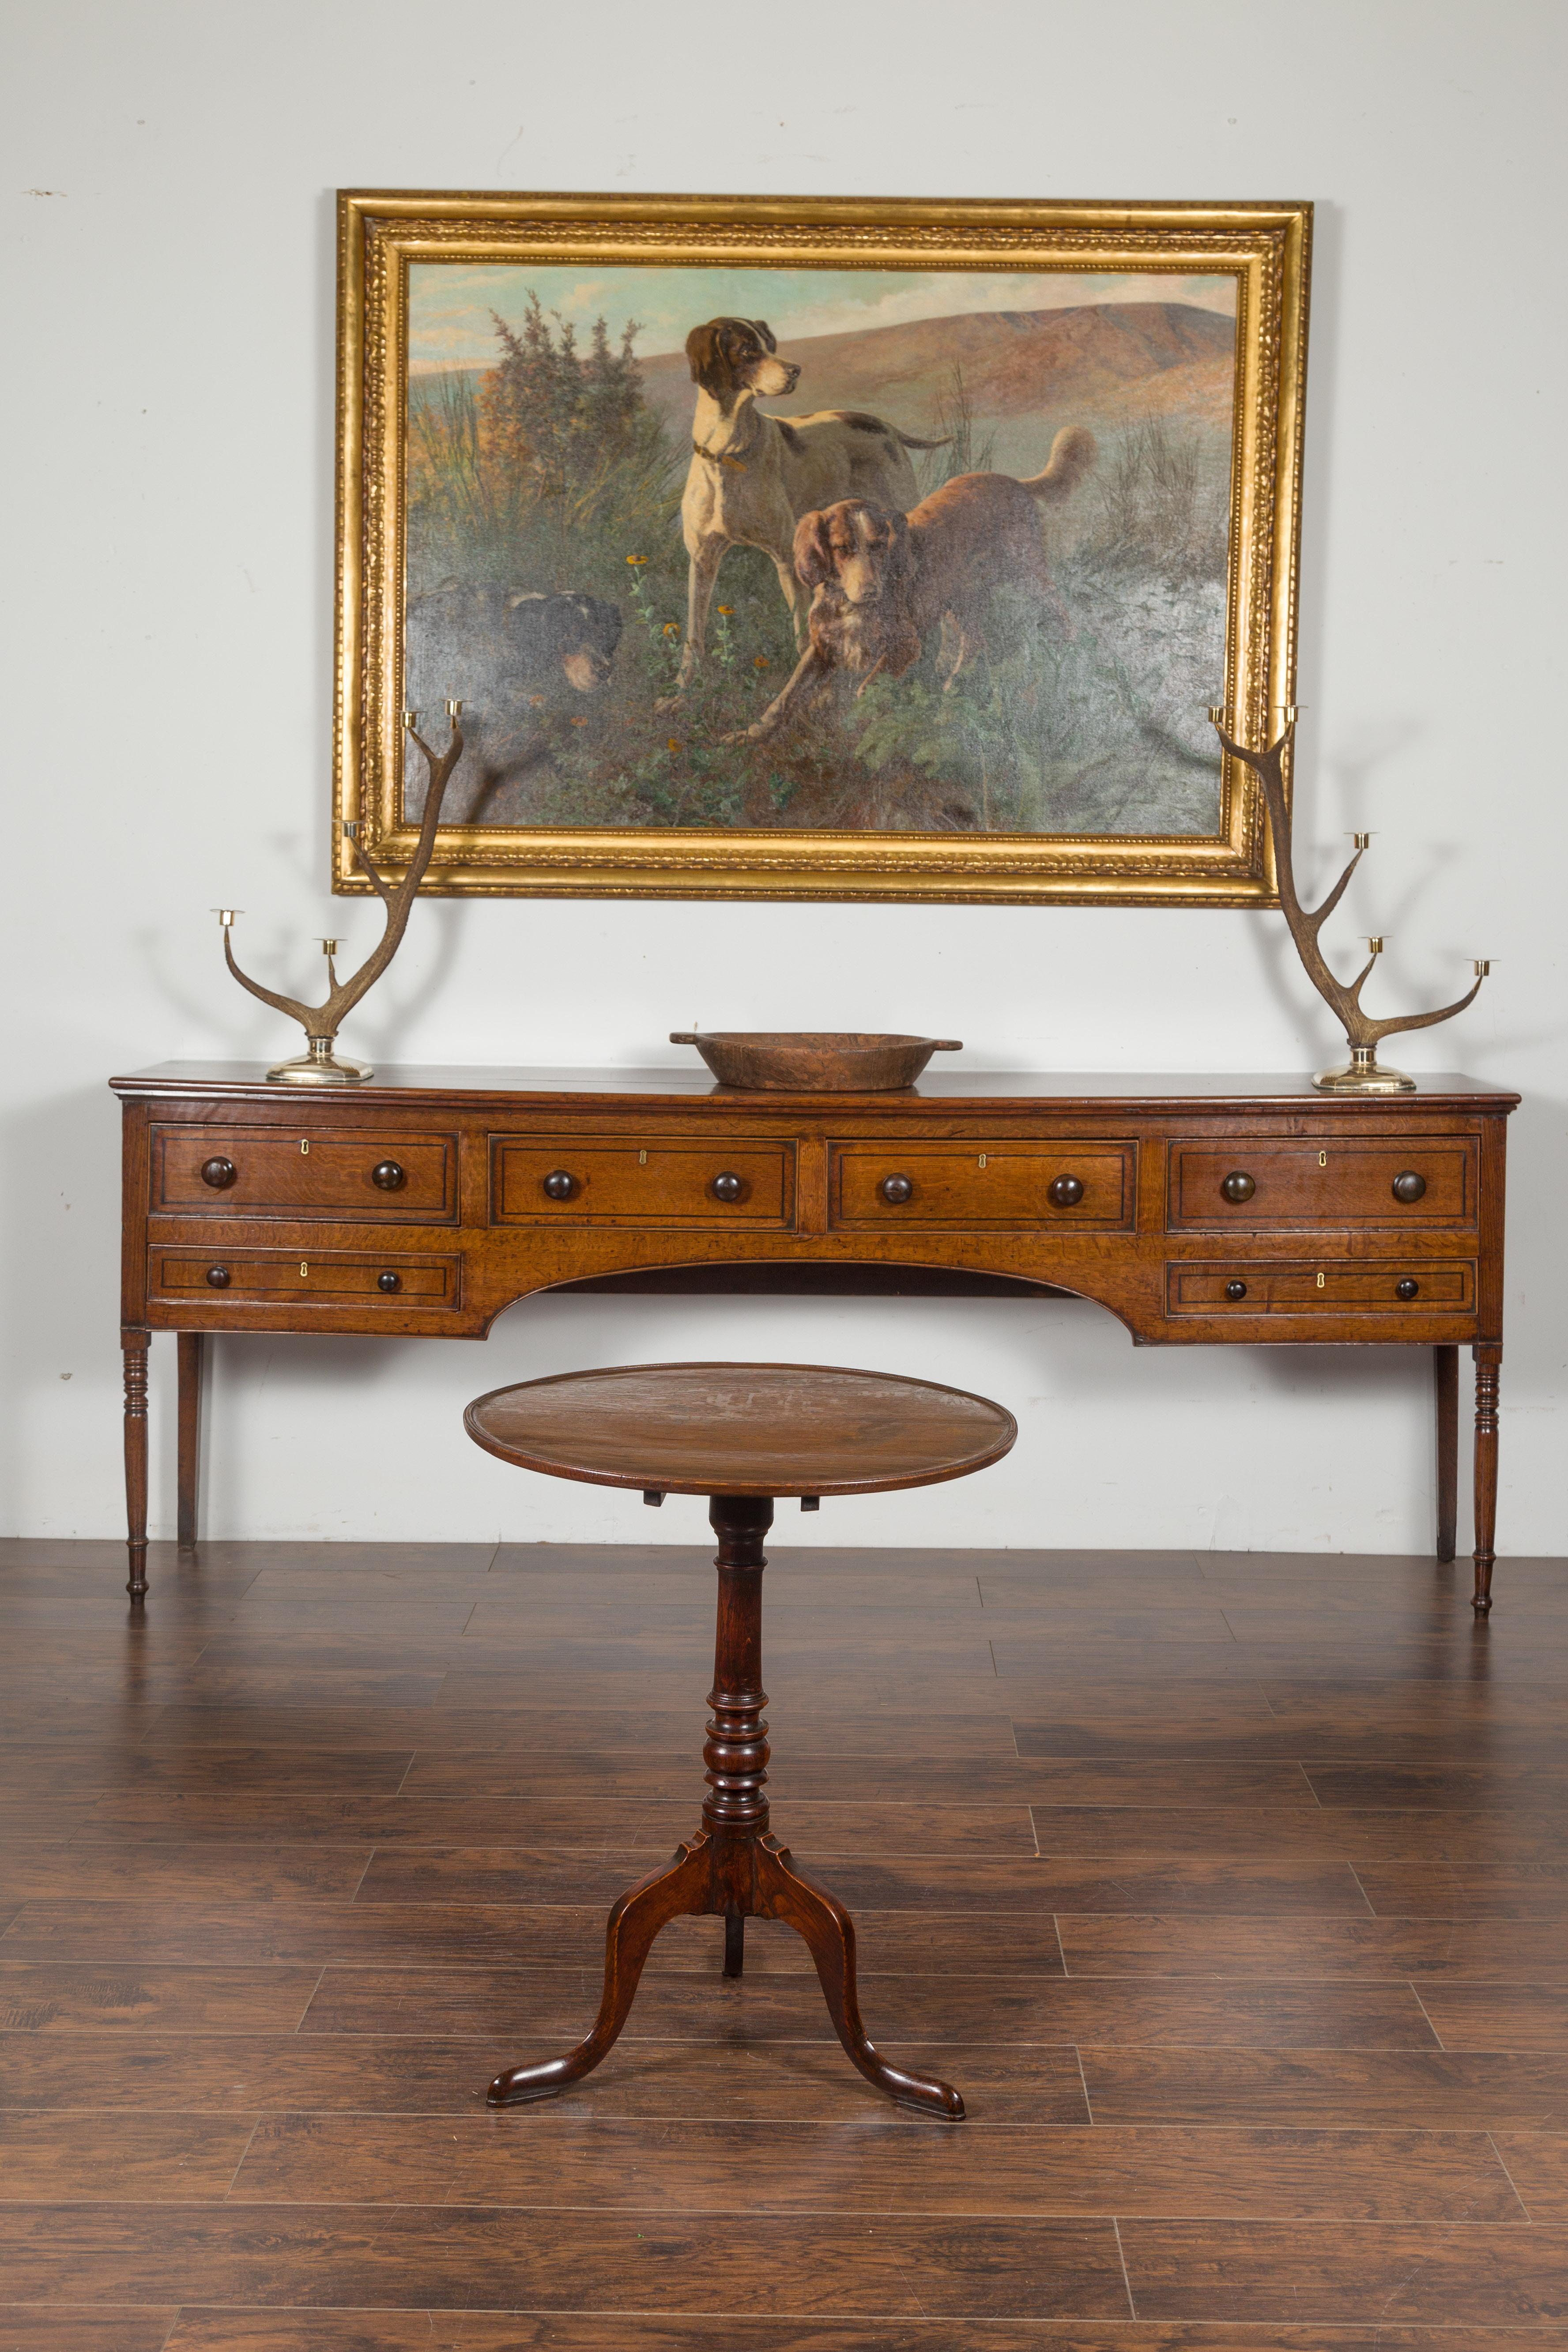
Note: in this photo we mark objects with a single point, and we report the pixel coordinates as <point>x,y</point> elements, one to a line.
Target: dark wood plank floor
<point>1232,1890</point>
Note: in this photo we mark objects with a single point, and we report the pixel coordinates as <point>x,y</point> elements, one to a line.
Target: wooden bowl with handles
<point>811,1061</point>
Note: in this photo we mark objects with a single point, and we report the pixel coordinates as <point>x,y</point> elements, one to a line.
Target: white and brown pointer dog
<point>753,476</point>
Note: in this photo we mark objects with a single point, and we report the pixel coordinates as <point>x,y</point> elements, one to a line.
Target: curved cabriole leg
<point>785,1893</point>
<point>683,1885</point>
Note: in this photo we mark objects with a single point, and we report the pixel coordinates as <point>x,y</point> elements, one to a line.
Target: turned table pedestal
<point>742,1435</point>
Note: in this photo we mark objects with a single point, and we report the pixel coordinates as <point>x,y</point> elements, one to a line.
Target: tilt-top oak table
<point>1219,1212</point>
<point>742,1434</point>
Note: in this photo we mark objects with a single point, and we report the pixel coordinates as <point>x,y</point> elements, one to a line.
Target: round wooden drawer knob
<point>1065,1192</point>
<point>727,1187</point>
<point>387,1176</point>
<point>219,1173</point>
<point>896,1191</point>
<point>389,1281</point>
<point>1238,1186</point>
<point>1409,1186</point>
<point>1236,1290</point>
<point>1407,1289</point>
<point>217,1276</point>
<point>558,1185</point>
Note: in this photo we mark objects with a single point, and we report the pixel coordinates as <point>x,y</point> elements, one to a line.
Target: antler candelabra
<point>1364,1073</point>
<point>320,1066</point>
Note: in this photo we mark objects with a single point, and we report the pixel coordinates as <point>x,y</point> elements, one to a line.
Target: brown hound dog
<point>753,476</point>
<point>882,580</point>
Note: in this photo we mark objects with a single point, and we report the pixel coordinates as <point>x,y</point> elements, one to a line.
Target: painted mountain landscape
<point>549,448</point>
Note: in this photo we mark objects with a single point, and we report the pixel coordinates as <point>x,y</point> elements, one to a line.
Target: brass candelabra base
<point>1363,1073</point>
<point>320,1067</point>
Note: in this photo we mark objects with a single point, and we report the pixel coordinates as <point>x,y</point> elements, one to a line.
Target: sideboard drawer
<point>1240,1289</point>
<point>593,1179</point>
<point>336,1278</point>
<point>248,1171</point>
<point>1274,1186</point>
<point>967,1186</point>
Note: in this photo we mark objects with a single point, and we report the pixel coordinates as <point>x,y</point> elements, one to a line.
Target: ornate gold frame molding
<point>1266,246</point>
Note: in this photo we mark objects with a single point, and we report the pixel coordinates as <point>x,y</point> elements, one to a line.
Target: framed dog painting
<point>790,548</point>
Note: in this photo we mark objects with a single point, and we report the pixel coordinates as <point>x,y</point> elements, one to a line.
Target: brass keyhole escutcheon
<point>304,1147</point>
<point>642,1159</point>
<point>1322,1158</point>
<point>981,1162</point>
<point>1320,1282</point>
<point>304,1269</point>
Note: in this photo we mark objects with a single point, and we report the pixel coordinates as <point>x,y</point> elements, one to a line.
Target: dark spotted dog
<point>501,652</point>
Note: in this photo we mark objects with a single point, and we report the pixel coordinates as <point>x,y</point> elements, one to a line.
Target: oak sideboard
<point>1202,1211</point>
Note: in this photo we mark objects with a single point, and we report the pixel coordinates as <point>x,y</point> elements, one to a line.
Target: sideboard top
<point>672,1086</point>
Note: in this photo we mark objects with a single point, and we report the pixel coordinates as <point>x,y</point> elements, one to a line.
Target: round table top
<point>741,1429</point>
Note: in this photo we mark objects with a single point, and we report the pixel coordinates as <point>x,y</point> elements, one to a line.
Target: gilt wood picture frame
<point>807,548</point>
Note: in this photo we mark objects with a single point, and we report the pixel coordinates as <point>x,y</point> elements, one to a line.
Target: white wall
<point>168,469</point>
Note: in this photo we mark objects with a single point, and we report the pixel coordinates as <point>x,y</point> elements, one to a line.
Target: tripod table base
<point>732,1866</point>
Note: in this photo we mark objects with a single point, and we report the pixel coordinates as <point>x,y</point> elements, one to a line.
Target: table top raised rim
<point>653,1479</point>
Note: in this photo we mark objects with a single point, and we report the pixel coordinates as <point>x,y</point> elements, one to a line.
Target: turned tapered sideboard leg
<point>135,1345</point>
<point>1446,1396</point>
<point>1488,1360</point>
<point>191,1354</point>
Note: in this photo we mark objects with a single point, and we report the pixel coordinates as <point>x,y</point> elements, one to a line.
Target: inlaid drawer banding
<point>611,1180</point>
<point>959,1186</point>
<point>336,1277</point>
<point>239,1171</point>
<point>1289,1184</point>
<point>1444,1286</point>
